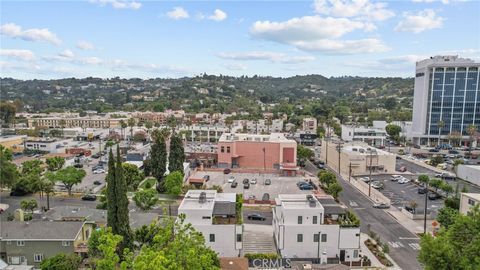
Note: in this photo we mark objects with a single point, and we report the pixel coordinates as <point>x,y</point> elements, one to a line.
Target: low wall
<point>419,216</point>
<point>363,187</point>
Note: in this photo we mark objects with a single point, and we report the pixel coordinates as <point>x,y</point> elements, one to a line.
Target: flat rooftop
<point>475,196</point>
<point>363,150</point>
<point>235,137</point>
<point>297,201</point>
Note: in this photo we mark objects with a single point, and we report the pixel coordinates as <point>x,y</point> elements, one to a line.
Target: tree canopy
<point>61,261</point>
<point>177,155</point>
<point>173,183</point>
<point>8,170</point>
<point>146,199</point>
<point>69,176</point>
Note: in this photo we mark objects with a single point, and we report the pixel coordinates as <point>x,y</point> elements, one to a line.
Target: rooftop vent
<point>311,201</point>
<point>203,197</point>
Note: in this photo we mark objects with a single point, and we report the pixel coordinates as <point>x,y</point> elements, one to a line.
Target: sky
<point>171,39</point>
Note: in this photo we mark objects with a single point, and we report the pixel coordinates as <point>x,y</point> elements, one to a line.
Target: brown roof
<point>192,180</point>
<point>233,263</point>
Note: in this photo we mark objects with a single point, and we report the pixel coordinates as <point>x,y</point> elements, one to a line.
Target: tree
<point>131,123</point>
<point>472,132</point>
<point>158,160</point>
<point>104,248</point>
<point>424,179</point>
<point>436,183</point>
<point>390,103</point>
<point>7,113</point>
<point>393,131</point>
<point>304,152</point>
<point>435,160</point>
<point>326,178</point>
<point>29,205</point>
<point>146,199</point>
<point>446,216</point>
<point>145,234</point>
<point>61,261</point>
<point>173,183</point>
<point>447,188</point>
<point>69,176</point>
<point>111,194</point>
<point>334,189</point>
<point>122,226</point>
<point>455,137</point>
<point>176,246</point>
<point>55,163</point>
<point>441,125</point>
<point>139,136</point>
<point>177,154</point>
<point>455,247</point>
<point>8,170</point>
<point>342,113</point>
<point>320,131</point>
<point>133,176</point>
<point>123,126</point>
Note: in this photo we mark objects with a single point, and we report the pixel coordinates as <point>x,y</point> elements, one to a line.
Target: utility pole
<point>264,163</point>
<point>370,177</point>
<point>425,211</point>
<point>339,146</point>
<point>349,172</point>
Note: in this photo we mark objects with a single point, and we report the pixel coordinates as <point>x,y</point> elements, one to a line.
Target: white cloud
<point>236,66</point>
<point>119,4</point>
<point>419,22</point>
<point>363,9</point>
<point>265,55</point>
<point>25,55</point>
<point>218,15</point>
<point>121,65</point>
<point>85,45</point>
<point>332,46</point>
<point>178,13</point>
<point>66,54</point>
<point>431,1</point>
<point>90,60</point>
<point>307,28</point>
<point>33,34</point>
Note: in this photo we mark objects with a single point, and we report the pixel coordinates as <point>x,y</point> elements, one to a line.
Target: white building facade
<point>467,201</point>
<point>373,136</point>
<point>446,99</point>
<point>214,215</point>
<point>304,228</point>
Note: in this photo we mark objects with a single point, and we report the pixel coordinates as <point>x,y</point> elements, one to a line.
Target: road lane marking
<point>414,246</point>
<point>408,238</point>
<point>353,203</point>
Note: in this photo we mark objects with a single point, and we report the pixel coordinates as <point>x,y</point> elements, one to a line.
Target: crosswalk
<point>415,246</point>
<point>353,203</point>
<point>398,244</point>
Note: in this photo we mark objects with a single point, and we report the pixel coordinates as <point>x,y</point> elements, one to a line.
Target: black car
<point>305,187</point>
<point>321,166</point>
<point>97,183</point>
<point>246,185</point>
<point>227,171</point>
<point>89,197</point>
<point>246,181</point>
<point>18,192</point>
<point>268,182</point>
<point>78,165</point>
<point>97,155</point>
<point>452,151</point>
<point>256,217</point>
<point>434,150</point>
<point>422,190</point>
<point>234,184</point>
<point>433,196</point>
<point>301,183</point>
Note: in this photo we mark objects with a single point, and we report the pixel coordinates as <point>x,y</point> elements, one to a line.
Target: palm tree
<point>131,124</point>
<point>440,124</point>
<point>62,124</point>
<point>472,131</point>
<point>123,126</point>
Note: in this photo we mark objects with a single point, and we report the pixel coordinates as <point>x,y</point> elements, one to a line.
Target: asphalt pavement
<point>267,214</point>
<point>404,245</point>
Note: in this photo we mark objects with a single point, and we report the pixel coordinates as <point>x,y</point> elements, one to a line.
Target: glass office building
<point>446,99</point>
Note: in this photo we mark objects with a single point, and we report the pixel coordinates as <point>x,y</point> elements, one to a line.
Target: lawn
<point>149,181</point>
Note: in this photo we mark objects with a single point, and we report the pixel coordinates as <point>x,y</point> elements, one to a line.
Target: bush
<point>148,185</point>
<point>386,248</point>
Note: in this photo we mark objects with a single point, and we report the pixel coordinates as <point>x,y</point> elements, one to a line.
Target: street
<point>404,245</point>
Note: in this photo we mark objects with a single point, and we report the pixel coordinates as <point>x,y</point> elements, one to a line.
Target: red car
<point>227,171</point>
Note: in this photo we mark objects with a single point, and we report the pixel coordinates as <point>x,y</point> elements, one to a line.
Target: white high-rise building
<point>446,99</point>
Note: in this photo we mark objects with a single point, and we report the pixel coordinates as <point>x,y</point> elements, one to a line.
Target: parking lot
<point>279,185</point>
<point>402,194</point>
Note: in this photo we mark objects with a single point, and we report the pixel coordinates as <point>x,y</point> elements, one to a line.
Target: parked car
<point>252,197</point>
<point>381,205</point>
<point>402,169</point>
<point>395,177</point>
<point>98,171</point>
<point>206,177</point>
<point>268,182</point>
<point>256,217</point>
<point>434,150</point>
<point>97,167</point>
<point>377,184</point>
<point>227,171</point>
<point>433,196</point>
<point>234,184</point>
<point>365,179</point>
<point>422,190</point>
<point>89,197</point>
<point>416,146</point>
<point>246,181</point>
<point>321,166</point>
<point>78,165</point>
<point>305,187</point>
<point>246,185</point>
<point>97,183</point>
<point>18,192</point>
<point>452,151</point>
<point>231,179</point>
<point>403,180</point>
<point>301,183</point>
<point>253,181</point>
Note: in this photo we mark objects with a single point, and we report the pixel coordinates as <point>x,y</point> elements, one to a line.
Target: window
<point>228,149</point>
<point>66,243</point>
<point>299,237</point>
<point>239,237</point>
<point>222,149</point>
<point>300,220</point>
<point>355,253</point>
<point>315,220</point>
<point>212,237</point>
<point>316,237</point>
<point>324,238</point>
<point>206,217</point>
<point>471,202</point>
<point>37,257</point>
<point>20,243</point>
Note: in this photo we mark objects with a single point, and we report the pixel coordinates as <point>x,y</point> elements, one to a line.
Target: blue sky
<point>147,39</point>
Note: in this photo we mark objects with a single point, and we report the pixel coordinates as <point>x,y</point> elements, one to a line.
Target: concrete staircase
<point>258,239</point>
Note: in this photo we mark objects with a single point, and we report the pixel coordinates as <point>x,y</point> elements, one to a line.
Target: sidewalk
<point>414,226</point>
<point>373,259</point>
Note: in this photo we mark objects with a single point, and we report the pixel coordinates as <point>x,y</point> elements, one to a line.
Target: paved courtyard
<point>279,184</point>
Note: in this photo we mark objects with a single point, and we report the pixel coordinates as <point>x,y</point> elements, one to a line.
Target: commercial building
<point>374,136</point>
<point>83,122</point>
<point>304,227</point>
<point>14,142</point>
<point>215,216</point>
<point>467,201</point>
<point>253,151</point>
<point>470,173</point>
<point>309,124</point>
<point>29,243</point>
<point>46,145</point>
<point>357,158</point>
<point>446,99</point>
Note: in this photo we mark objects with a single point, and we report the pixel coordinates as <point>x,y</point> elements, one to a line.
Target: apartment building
<point>446,99</point>
<point>29,243</point>
<point>215,216</point>
<point>374,136</point>
<point>306,228</point>
<point>467,201</point>
<point>254,151</point>
<point>83,122</point>
<point>309,124</point>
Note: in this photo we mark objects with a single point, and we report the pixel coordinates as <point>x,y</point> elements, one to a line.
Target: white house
<point>47,145</point>
<point>374,136</point>
<point>309,227</point>
<point>214,215</point>
<point>467,201</point>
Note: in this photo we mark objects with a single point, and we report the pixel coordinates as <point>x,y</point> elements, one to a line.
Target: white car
<point>365,179</point>
<point>231,179</point>
<point>403,180</point>
<point>253,181</point>
<point>98,171</point>
<point>396,177</point>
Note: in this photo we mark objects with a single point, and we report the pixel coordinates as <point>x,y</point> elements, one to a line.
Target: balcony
<point>219,220</point>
